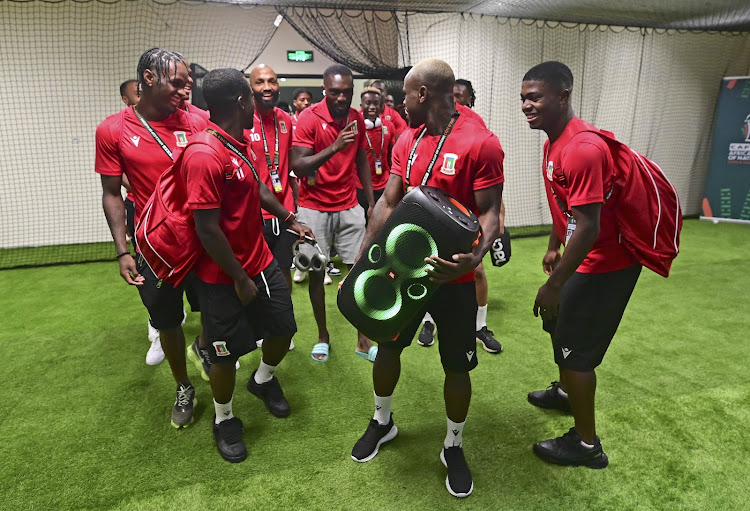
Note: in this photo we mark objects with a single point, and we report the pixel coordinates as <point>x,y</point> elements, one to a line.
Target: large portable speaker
<point>389,284</point>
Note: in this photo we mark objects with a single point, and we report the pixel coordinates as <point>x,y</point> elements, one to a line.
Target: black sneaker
<point>459,481</point>
<point>489,343</point>
<point>427,334</point>
<point>550,398</point>
<point>568,450</point>
<point>228,436</point>
<point>182,413</point>
<point>332,270</point>
<point>200,358</point>
<point>271,394</point>
<point>377,434</point>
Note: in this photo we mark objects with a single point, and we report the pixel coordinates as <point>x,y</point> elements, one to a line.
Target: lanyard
<point>382,143</point>
<point>275,145</point>
<point>439,147</point>
<point>236,151</point>
<point>153,133</point>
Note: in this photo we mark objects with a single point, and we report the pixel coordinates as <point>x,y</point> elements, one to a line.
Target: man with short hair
<point>139,142</point>
<point>389,114</point>
<point>301,99</point>
<point>475,179</point>
<point>464,97</point>
<point>389,101</point>
<point>129,92</point>
<point>242,292</point>
<point>329,147</point>
<point>591,282</point>
<point>380,135</point>
<point>271,137</point>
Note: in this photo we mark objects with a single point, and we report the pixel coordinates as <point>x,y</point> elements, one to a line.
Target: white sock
<point>455,436</point>
<point>383,409</point>
<point>561,391</point>
<point>481,317</point>
<point>223,411</point>
<point>427,317</point>
<point>587,446</point>
<point>264,373</point>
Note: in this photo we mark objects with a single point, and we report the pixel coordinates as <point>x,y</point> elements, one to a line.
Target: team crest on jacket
<point>282,125</point>
<point>550,168</point>
<point>449,164</point>
<point>181,138</point>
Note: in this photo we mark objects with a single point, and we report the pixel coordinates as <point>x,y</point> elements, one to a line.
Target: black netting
<point>366,41</point>
<point>62,65</point>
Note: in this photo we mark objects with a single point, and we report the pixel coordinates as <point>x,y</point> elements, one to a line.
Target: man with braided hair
<point>139,142</point>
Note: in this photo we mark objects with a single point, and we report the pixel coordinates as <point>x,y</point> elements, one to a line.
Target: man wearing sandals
<point>329,145</point>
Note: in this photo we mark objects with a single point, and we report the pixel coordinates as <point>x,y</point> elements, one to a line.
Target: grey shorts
<point>343,230</point>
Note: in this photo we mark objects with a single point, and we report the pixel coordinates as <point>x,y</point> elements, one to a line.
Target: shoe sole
<point>230,459</point>
<point>387,438</point>
<point>595,464</point>
<point>192,418</point>
<point>448,485</point>
<point>195,359</point>
<point>489,350</point>
<point>542,404</point>
<point>156,363</point>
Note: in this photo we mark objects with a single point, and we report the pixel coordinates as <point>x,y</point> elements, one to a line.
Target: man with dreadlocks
<point>139,142</point>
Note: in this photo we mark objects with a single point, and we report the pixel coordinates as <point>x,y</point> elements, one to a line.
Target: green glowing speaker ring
<point>394,270</point>
<point>416,296</point>
<point>372,259</point>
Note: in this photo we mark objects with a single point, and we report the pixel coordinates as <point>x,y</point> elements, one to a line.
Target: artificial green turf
<point>85,423</point>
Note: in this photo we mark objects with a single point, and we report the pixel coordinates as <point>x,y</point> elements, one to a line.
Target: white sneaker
<point>299,276</point>
<point>327,280</point>
<point>155,354</point>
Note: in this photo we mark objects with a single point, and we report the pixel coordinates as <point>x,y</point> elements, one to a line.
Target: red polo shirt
<point>231,188</point>
<point>578,171</point>
<point>471,159</point>
<point>470,114</point>
<point>254,138</point>
<point>203,114</point>
<point>389,114</point>
<point>332,189</point>
<point>380,147</point>
<point>124,146</point>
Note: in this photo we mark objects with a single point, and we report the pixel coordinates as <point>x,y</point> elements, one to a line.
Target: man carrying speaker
<point>444,150</point>
<point>464,96</point>
<point>329,146</point>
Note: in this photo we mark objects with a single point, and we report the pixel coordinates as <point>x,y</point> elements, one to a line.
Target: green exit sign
<point>299,56</point>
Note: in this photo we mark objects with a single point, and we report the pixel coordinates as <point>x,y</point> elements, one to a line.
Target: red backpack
<point>648,209</point>
<point>165,233</point>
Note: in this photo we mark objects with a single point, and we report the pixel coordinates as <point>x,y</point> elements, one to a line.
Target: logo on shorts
<point>221,348</point>
<point>282,124</point>
<point>469,355</point>
<point>181,138</point>
<point>449,164</point>
<point>550,168</point>
<point>566,352</point>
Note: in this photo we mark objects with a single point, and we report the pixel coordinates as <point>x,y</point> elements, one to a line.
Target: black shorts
<point>280,241</point>
<point>591,307</point>
<point>232,329</point>
<point>164,302</point>
<point>130,218</point>
<point>454,310</point>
